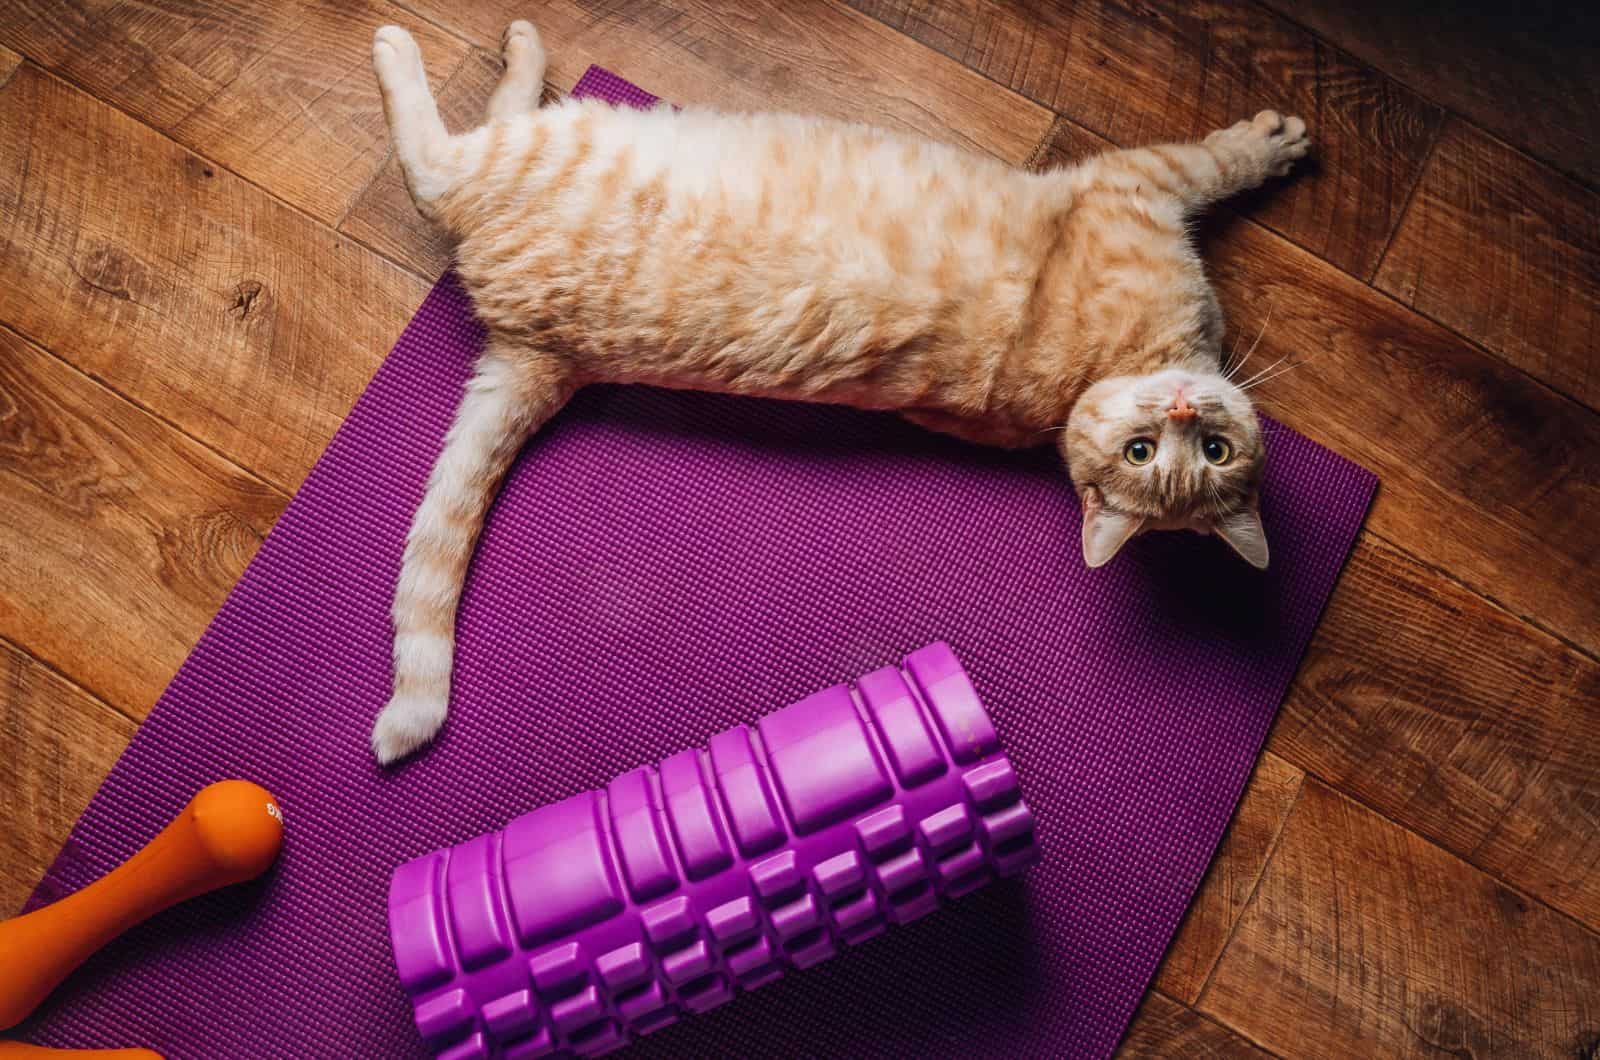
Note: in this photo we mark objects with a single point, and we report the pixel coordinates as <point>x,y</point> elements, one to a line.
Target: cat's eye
<point>1216,451</point>
<point>1139,452</point>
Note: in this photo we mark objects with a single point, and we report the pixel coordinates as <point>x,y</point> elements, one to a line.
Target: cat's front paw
<point>405,725</point>
<point>1284,140</point>
<point>1276,142</point>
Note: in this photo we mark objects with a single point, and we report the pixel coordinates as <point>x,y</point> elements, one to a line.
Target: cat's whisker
<point>1262,403</point>
<point>1249,382</point>
<point>1267,379</point>
<point>1231,365</point>
<point>1294,364</point>
<point>1264,322</point>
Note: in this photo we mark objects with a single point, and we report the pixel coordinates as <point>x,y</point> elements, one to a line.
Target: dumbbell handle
<point>229,832</point>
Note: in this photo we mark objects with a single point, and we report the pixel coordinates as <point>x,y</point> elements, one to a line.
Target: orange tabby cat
<point>819,260</point>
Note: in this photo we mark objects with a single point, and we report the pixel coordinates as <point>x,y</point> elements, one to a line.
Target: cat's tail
<point>511,394</point>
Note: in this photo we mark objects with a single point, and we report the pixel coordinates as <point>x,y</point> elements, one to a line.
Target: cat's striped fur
<point>796,257</point>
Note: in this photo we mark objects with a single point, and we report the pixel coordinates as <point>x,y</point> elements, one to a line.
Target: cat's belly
<point>801,259</point>
<point>777,320</point>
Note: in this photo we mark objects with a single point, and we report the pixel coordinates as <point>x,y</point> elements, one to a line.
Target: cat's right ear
<point>1104,531</point>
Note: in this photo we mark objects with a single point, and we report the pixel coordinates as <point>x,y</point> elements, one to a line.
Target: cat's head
<point>1175,449</point>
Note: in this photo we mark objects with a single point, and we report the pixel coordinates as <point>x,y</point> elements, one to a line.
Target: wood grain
<point>1364,940</point>
<point>56,743</point>
<point>1163,1029</point>
<point>1240,859</point>
<point>1523,71</point>
<point>120,538</point>
<point>1485,473</point>
<point>9,61</point>
<point>807,55</point>
<point>281,93</point>
<point>1507,253</point>
<point>1458,721</point>
<point>185,288</point>
<point>1148,71</point>
<point>384,217</point>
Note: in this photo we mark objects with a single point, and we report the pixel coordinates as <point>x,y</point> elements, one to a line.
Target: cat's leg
<point>512,393</point>
<point>523,81</point>
<point>421,142</point>
<point>1227,162</point>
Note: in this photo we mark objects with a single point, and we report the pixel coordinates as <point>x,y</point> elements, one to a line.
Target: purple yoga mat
<point>662,566</point>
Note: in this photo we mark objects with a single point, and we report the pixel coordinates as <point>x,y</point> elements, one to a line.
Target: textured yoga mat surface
<point>661,566</point>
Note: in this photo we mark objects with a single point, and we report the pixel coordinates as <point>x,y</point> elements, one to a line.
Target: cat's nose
<point>1180,409</point>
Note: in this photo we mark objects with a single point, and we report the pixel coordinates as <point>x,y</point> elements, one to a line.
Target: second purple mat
<point>662,566</point>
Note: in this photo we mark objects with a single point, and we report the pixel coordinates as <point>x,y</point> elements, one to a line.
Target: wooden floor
<point>206,252</point>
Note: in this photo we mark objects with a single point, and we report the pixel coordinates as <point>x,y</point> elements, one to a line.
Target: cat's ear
<point>1244,534</point>
<point>1104,531</point>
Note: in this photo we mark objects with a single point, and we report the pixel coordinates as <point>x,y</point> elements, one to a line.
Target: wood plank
<point>9,61</point>
<point>1147,71</point>
<point>121,536</point>
<point>56,744</point>
<point>1507,253</point>
<point>281,93</point>
<point>1165,1029</point>
<point>809,55</point>
<point>384,217</point>
<point>185,288</point>
<point>1241,857</point>
<point>1486,473</point>
<point>1364,940</point>
<point>1459,722</point>
<point>1523,71</point>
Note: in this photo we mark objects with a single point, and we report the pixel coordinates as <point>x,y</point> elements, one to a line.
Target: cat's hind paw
<point>519,38</point>
<point>396,57</point>
<point>404,725</point>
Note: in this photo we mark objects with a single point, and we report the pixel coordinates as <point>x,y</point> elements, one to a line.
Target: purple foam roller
<point>611,914</point>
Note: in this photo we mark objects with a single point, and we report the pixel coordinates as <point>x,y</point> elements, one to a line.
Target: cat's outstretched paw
<point>1274,141</point>
<point>403,726</point>
<point>519,39</point>
<point>395,54</point>
<point>1283,139</point>
<point>523,80</point>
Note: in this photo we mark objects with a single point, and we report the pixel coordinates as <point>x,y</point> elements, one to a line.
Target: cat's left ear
<point>1244,534</point>
<point>1104,531</point>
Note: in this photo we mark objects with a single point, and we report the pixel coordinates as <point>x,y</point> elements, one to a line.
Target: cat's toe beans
<point>1267,122</point>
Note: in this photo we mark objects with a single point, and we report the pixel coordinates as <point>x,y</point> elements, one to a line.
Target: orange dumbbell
<point>229,832</point>
<point>24,1051</point>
